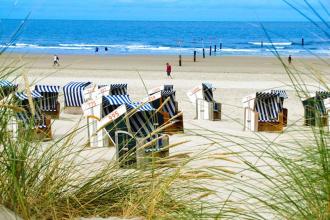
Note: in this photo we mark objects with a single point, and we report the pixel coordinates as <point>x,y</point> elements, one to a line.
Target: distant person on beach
<point>169,70</point>
<point>96,49</point>
<point>106,49</point>
<point>290,59</point>
<point>56,61</point>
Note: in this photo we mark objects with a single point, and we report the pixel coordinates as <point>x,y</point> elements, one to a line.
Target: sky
<point>165,10</point>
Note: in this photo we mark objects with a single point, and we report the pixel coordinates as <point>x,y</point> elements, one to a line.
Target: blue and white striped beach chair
<point>49,102</point>
<point>264,111</point>
<point>73,96</point>
<point>315,112</point>
<point>38,121</point>
<point>133,129</point>
<point>163,99</point>
<point>6,88</point>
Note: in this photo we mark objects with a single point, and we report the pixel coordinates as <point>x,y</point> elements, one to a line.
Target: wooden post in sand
<point>204,53</point>
<point>215,48</point>
<point>220,46</point>
<point>195,53</point>
<point>180,60</point>
<point>210,50</point>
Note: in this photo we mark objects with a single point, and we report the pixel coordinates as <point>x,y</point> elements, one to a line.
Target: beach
<point>233,78</point>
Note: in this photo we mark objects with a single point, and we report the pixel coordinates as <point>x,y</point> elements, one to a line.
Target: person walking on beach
<point>56,61</point>
<point>168,70</point>
<point>290,59</point>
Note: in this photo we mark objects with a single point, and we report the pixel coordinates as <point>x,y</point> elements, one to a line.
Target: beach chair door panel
<point>126,148</point>
<point>251,120</point>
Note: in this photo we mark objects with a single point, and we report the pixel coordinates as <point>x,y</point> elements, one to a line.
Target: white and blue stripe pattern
<point>6,83</point>
<point>47,89</point>
<point>39,118</point>
<point>169,107</point>
<point>23,96</point>
<point>118,89</point>
<point>208,92</point>
<point>280,93</point>
<point>269,105</point>
<point>73,93</point>
<point>50,97</point>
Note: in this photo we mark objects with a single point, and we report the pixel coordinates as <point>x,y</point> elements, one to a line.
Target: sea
<point>164,38</point>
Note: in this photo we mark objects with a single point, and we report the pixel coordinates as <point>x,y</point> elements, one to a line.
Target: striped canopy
<point>50,97</point>
<point>140,121</point>
<point>208,92</point>
<point>73,93</point>
<point>113,101</point>
<point>169,107</point>
<point>280,93</point>
<point>269,104</point>
<point>39,119</point>
<point>23,96</point>
<point>47,88</point>
<point>118,89</point>
<point>6,83</point>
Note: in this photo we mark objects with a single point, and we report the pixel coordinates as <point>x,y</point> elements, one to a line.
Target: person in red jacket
<point>169,70</point>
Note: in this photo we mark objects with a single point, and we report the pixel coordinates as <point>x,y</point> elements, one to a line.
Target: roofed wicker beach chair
<point>206,107</point>
<point>95,91</point>
<point>39,122</point>
<point>163,99</point>
<point>49,103</point>
<point>6,88</point>
<point>315,112</point>
<point>264,111</point>
<point>130,127</point>
<point>74,97</point>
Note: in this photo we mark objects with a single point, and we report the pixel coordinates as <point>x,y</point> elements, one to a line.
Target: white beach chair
<point>264,111</point>
<point>206,107</point>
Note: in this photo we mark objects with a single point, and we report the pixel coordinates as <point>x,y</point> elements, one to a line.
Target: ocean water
<point>148,37</point>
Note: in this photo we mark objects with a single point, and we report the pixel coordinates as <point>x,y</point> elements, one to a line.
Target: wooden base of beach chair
<point>217,114</point>
<point>45,134</point>
<point>176,128</point>
<point>272,126</point>
<point>285,117</point>
<point>54,114</point>
<point>73,110</point>
<point>145,159</point>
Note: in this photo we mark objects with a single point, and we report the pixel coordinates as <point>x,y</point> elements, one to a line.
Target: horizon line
<point>131,20</point>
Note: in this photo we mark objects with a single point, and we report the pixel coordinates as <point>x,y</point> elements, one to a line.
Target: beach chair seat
<point>74,97</point>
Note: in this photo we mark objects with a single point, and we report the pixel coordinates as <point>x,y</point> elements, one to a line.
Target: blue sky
<point>178,10</point>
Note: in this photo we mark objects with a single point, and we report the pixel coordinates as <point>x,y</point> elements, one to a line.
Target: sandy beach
<point>234,78</point>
